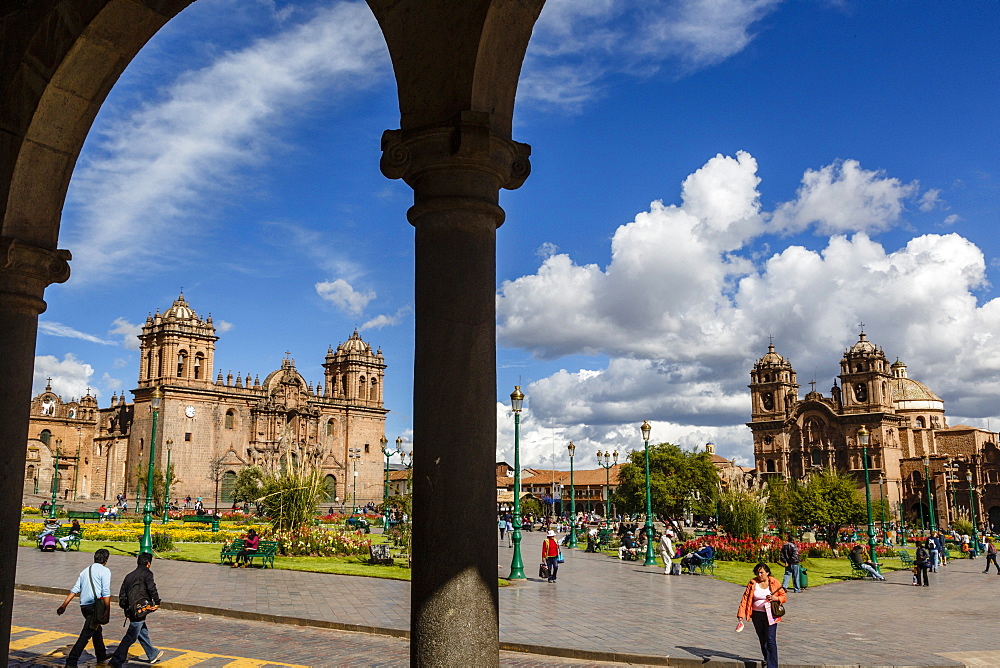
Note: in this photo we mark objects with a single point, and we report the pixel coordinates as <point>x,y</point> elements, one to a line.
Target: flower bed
<point>318,542</point>
<point>768,548</point>
<point>132,531</point>
<point>31,510</point>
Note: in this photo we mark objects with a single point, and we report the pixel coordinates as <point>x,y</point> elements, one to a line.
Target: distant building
<point>221,424</point>
<point>905,420</point>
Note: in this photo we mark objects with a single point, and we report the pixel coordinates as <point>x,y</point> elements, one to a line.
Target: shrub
<point>962,525</point>
<point>317,542</point>
<point>31,510</point>
<point>742,507</point>
<point>162,542</point>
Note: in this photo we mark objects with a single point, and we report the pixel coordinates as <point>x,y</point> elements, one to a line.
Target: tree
<point>531,505</point>
<point>742,505</point>
<point>781,501</point>
<point>216,469</point>
<point>830,500</point>
<point>679,480</point>
<point>249,484</point>
<point>159,488</point>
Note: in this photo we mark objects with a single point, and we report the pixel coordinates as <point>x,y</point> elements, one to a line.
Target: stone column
<point>456,170</point>
<point>25,271</point>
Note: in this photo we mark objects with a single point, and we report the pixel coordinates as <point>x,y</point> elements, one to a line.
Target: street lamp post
<point>572,497</point>
<point>516,563</point>
<point>881,505</point>
<point>388,453</point>
<point>166,483</point>
<point>606,465</point>
<point>146,543</point>
<point>55,482</point>
<point>923,522</point>
<point>863,439</point>
<point>951,476</point>
<point>972,515</point>
<point>930,497</point>
<point>650,555</point>
<point>354,454</point>
<point>76,467</point>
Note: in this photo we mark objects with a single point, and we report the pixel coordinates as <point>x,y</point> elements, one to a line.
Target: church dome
<point>354,345</point>
<point>773,359</point>
<point>862,347</point>
<point>910,394</point>
<point>180,310</point>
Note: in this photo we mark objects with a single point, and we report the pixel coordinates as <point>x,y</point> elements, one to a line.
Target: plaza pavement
<point>603,609</point>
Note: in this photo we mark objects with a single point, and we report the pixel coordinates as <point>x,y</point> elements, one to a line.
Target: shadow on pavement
<point>707,655</point>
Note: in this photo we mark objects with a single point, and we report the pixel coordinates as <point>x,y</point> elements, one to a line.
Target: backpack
<point>137,601</point>
<point>48,543</point>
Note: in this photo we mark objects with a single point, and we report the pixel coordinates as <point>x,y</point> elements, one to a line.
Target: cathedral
<point>911,448</point>
<point>211,428</point>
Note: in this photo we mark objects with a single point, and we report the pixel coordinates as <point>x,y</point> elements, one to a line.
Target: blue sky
<point>705,173</point>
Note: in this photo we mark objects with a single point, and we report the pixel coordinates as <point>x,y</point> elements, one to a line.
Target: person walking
<point>550,554</point>
<point>932,546</point>
<point>502,527</point>
<point>922,560</point>
<point>667,550</point>
<point>792,563</point>
<point>755,606</point>
<point>991,555</point>
<point>509,526</point>
<point>137,586</point>
<point>93,583</point>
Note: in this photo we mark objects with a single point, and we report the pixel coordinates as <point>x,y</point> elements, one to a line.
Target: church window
<point>99,449</point>
<point>816,457</point>
<point>198,359</point>
<point>229,419</point>
<point>72,413</point>
<point>45,437</point>
<point>228,486</point>
<point>861,392</point>
<point>329,427</point>
<point>921,424</point>
<point>366,448</point>
<point>373,395</point>
<point>181,362</point>
<point>29,473</point>
<point>187,436</point>
<point>770,466</point>
<point>767,401</point>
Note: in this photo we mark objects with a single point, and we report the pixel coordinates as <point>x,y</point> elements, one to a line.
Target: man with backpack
<point>792,563</point>
<point>93,585</point>
<point>138,597</point>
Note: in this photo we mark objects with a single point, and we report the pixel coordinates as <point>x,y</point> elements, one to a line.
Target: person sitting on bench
<point>249,549</point>
<point>74,533</point>
<point>628,549</point>
<point>857,556</point>
<point>693,559</point>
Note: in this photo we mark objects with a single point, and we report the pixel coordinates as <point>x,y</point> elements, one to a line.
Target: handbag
<point>102,613</point>
<point>543,571</point>
<point>560,559</point>
<point>777,609</point>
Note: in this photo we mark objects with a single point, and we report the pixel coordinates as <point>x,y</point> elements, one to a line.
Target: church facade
<point>910,442</point>
<point>213,427</point>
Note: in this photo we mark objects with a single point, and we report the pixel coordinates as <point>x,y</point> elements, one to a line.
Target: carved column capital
<point>25,272</point>
<point>463,161</point>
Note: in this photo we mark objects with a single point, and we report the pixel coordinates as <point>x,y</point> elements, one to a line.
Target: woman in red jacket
<point>550,554</point>
<point>756,606</point>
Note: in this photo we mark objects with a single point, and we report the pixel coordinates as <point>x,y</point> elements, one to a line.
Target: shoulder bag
<point>777,609</point>
<point>102,613</point>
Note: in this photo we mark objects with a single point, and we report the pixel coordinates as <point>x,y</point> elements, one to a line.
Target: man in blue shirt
<point>701,555</point>
<point>101,577</point>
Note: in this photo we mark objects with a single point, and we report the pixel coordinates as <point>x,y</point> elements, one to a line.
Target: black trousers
<point>86,635</point>
<point>991,558</point>
<point>922,574</point>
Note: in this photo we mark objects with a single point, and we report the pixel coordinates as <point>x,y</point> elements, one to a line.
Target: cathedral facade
<point>213,427</point>
<point>910,442</point>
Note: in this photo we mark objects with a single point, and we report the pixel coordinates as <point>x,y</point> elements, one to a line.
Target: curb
<point>523,648</point>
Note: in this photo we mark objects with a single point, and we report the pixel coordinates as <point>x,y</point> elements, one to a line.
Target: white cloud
<point>119,363</point>
<point>931,200</point>
<point>951,220</point>
<point>141,193</point>
<point>341,294</point>
<point>129,333</point>
<point>111,383</point>
<point>70,376</point>
<point>685,306</point>
<point>380,321</point>
<point>222,326</point>
<point>843,197</point>
<point>576,45</point>
<point>58,329</point>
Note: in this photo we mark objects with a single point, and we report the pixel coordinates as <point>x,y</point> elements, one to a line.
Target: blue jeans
<point>791,572</point>
<point>767,634</point>
<point>934,560</point>
<point>553,564</point>
<point>136,631</point>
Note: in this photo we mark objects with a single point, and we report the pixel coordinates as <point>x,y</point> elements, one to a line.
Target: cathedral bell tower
<point>354,373</point>
<point>177,348</point>
<point>865,379</point>
<point>773,389</point>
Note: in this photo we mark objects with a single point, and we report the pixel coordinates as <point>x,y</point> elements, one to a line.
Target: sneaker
<point>156,658</point>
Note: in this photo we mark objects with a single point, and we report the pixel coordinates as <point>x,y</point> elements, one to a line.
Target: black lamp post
<point>516,563</point>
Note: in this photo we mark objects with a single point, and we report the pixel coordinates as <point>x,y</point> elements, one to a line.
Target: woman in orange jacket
<point>756,607</point>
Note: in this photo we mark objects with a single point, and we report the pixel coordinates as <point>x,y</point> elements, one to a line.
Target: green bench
<point>906,559</point>
<point>202,519</point>
<point>63,532</point>
<point>84,515</point>
<point>266,551</point>
<point>707,565</point>
<point>359,523</point>
<point>858,571</point>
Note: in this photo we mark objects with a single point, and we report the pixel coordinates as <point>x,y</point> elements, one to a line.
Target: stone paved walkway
<point>606,609</point>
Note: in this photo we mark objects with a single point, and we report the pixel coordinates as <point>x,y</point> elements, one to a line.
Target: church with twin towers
<point>213,424</point>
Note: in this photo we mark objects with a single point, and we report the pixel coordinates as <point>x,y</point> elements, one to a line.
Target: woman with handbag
<point>550,554</point>
<point>763,604</point>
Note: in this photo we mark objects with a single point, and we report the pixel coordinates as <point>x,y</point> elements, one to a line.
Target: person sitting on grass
<point>857,556</point>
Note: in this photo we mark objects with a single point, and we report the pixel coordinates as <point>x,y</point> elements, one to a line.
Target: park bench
<point>230,550</point>
<point>708,565</point>
<point>359,523</point>
<point>202,519</point>
<point>905,557</point>
<point>63,532</point>
<point>266,551</point>
<point>858,571</point>
<point>83,515</point>
<point>45,508</point>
